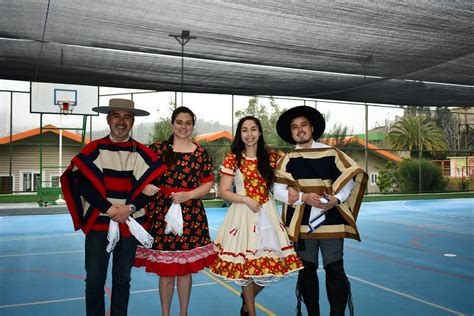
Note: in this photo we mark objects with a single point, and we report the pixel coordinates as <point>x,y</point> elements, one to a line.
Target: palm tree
<point>339,136</point>
<point>414,133</point>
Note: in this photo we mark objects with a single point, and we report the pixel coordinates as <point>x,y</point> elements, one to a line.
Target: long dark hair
<point>263,159</point>
<point>169,155</point>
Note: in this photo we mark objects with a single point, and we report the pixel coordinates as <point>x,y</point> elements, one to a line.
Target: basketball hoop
<point>66,107</point>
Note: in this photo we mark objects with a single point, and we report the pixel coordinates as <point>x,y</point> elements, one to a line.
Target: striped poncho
<point>321,171</point>
<point>115,173</point>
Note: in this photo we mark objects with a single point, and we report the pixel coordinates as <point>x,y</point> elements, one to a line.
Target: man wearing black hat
<point>106,186</point>
<point>322,189</point>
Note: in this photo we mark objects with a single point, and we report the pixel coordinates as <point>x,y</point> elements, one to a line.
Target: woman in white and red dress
<point>252,244</point>
<point>188,178</point>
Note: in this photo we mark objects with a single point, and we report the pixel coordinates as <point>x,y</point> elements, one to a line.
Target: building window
<point>6,184</point>
<point>30,181</point>
<point>373,178</point>
<point>55,181</point>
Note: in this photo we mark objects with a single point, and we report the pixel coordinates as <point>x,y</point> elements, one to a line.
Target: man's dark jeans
<point>97,262</point>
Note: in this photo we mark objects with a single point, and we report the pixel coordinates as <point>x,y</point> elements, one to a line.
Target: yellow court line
<point>230,288</point>
<point>407,296</point>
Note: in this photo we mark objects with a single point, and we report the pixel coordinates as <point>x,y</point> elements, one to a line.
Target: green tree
<point>447,122</point>
<point>417,110</point>
<point>217,150</point>
<point>268,120</point>
<point>162,129</point>
<point>414,133</point>
<point>388,179</point>
<point>432,179</point>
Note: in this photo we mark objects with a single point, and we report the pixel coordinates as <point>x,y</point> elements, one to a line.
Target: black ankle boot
<point>307,289</point>
<point>338,288</point>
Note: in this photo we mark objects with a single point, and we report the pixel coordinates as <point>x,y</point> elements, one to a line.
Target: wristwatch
<point>132,208</point>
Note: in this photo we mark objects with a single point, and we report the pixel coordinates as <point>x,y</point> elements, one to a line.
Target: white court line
<point>423,226</point>
<point>214,283</point>
<point>40,237</point>
<point>408,296</point>
<point>43,302</point>
<point>41,253</point>
<point>82,298</point>
<point>156,290</point>
<point>420,210</point>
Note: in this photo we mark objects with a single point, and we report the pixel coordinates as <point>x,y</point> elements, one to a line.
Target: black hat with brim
<point>316,119</point>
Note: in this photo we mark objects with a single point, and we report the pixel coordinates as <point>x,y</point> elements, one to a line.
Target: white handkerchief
<point>317,216</point>
<point>140,233</point>
<point>113,235</point>
<point>267,237</point>
<point>143,237</point>
<point>174,220</point>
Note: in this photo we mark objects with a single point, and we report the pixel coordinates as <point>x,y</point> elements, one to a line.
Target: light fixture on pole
<point>182,39</point>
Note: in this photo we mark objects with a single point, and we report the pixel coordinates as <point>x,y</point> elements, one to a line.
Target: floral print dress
<point>174,255</point>
<point>240,258</point>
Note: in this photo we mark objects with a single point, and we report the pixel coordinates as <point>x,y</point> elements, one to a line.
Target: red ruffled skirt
<point>175,262</point>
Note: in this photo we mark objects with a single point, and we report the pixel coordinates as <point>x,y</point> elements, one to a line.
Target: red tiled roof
<point>353,139</point>
<point>36,131</point>
<point>214,136</point>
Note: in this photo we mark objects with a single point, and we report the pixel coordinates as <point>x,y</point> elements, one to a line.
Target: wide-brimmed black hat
<point>121,105</point>
<point>315,118</point>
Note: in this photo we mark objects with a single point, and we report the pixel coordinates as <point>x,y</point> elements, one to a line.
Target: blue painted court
<point>415,258</point>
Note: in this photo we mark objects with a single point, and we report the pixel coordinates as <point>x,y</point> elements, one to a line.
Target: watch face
<point>132,208</point>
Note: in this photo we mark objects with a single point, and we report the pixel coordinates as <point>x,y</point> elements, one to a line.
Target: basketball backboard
<point>50,97</point>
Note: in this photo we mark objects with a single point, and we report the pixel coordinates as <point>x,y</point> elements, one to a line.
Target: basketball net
<point>65,107</point>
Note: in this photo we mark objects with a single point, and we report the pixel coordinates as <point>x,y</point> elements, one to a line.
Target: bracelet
<point>242,199</point>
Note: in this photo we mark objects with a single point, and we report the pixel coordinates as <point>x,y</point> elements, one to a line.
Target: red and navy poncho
<point>106,173</point>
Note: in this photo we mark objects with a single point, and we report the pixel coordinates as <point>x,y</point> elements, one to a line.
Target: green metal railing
<point>45,193</point>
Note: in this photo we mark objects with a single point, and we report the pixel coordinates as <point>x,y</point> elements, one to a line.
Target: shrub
<point>432,179</point>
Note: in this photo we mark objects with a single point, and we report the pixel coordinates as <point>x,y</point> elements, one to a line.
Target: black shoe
<point>242,310</point>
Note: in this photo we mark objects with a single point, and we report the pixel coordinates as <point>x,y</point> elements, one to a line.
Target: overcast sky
<point>217,108</point>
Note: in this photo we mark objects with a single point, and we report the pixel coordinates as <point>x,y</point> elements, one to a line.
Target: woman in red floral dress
<point>252,244</point>
<point>188,178</point>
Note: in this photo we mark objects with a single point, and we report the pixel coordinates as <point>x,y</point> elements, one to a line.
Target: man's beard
<point>303,141</point>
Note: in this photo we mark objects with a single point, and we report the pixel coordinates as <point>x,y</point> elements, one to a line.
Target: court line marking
<point>420,226</point>
<point>156,290</point>
<point>40,237</point>
<point>43,302</point>
<point>82,297</point>
<point>230,288</point>
<point>406,295</point>
<point>40,253</point>
<point>409,263</point>
<point>268,312</point>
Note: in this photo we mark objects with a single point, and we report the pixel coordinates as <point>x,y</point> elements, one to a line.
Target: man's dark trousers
<point>96,264</point>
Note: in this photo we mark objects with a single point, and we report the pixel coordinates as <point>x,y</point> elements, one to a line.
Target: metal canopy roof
<point>396,52</point>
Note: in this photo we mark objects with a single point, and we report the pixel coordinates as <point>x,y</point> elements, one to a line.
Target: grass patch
<point>419,196</point>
